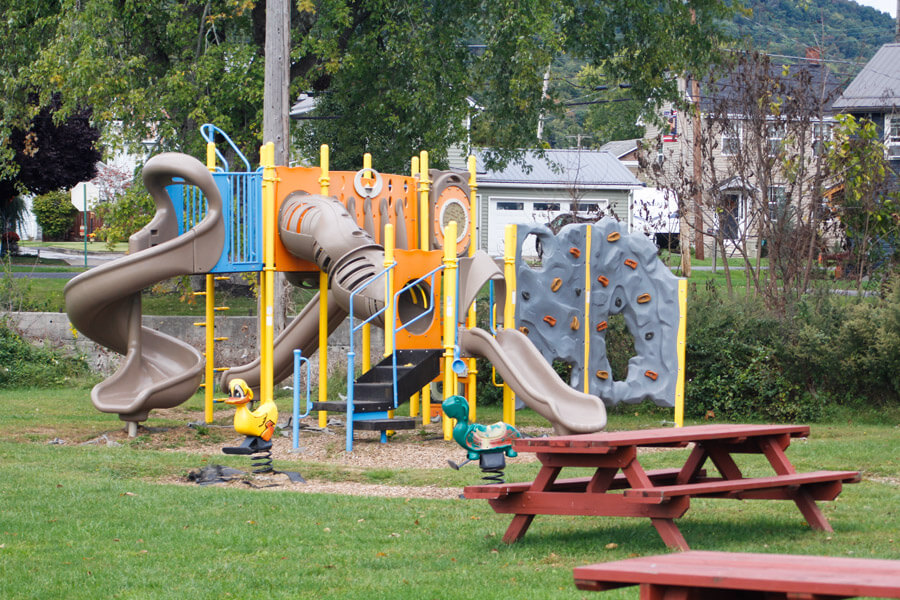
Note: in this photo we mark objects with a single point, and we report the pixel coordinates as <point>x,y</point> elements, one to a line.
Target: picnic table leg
<point>520,523</point>
<point>811,512</point>
<point>517,528</point>
<point>670,533</point>
<point>650,591</point>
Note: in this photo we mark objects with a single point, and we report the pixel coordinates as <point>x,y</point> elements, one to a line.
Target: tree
<point>868,205</point>
<point>763,170</point>
<point>54,213</point>
<point>392,77</point>
<point>49,153</point>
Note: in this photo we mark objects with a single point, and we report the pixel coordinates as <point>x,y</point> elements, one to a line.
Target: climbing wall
<point>626,278</point>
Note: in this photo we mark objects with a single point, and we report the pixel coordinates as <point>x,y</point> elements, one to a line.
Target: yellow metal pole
<point>471,318</point>
<point>681,344</point>
<point>367,328</point>
<point>509,312</point>
<point>266,391</point>
<point>424,189</point>
<point>450,263</point>
<point>421,166</point>
<point>210,317</point>
<point>587,308</point>
<point>324,183</point>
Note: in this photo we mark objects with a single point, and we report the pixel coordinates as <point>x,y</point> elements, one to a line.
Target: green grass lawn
<point>91,246</point>
<point>90,521</point>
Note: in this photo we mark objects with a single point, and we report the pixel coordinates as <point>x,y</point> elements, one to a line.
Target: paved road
<point>72,257</point>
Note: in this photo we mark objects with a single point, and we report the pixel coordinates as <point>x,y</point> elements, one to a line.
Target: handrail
<point>295,421</point>
<point>208,132</point>
<point>394,330</point>
<point>351,354</point>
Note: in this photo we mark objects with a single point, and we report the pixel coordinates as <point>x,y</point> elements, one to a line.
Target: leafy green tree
<point>124,214</point>
<point>54,213</point>
<point>392,76</point>
<point>868,206</point>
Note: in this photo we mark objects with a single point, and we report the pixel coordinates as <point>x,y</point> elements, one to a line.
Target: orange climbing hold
<point>574,251</point>
<point>557,283</point>
<point>652,375</point>
<point>613,237</point>
<point>631,263</point>
<point>524,330</point>
<point>575,325</point>
<point>550,321</point>
<point>601,326</point>
<point>643,298</point>
<point>603,375</point>
<point>604,281</point>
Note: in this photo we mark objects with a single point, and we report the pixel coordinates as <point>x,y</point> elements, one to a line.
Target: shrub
<point>125,214</point>
<point>24,365</point>
<point>54,213</point>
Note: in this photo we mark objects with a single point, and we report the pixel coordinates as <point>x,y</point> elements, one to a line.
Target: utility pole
<point>276,102</point>
<point>276,98</point>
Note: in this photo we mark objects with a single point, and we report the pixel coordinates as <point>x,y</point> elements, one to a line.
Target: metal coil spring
<point>261,462</point>
<point>493,475</point>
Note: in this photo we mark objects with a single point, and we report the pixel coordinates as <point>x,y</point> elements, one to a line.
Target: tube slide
<point>534,381</point>
<point>104,303</point>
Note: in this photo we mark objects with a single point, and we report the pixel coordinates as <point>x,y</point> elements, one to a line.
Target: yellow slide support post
<point>587,308</point>
<point>324,183</point>
<point>414,399</point>
<point>367,328</point>
<point>680,350</point>
<point>424,244</point>
<point>449,334</point>
<point>509,312</point>
<point>267,331</point>
<point>471,317</point>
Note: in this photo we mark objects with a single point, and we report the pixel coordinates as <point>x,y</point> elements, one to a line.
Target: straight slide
<point>534,381</point>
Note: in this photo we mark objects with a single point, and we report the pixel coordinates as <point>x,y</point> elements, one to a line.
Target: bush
<point>25,365</point>
<point>54,213</point>
<point>125,215</point>
<point>746,363</point>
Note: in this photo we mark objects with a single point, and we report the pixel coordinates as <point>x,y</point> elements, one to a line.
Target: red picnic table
<point>662,495</point>
<point>704,575</point>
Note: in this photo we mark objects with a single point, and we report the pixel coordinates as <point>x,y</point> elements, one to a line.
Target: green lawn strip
<point>84,522</point>
<point>79,246</point>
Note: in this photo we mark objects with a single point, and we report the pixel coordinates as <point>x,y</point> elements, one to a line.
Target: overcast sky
<point>888,6</point>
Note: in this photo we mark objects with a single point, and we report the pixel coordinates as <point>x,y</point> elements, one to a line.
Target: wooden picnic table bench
<point>703,575</point>
<point>662,495</point>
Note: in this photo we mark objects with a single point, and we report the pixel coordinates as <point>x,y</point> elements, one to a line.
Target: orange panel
<point>412,264</point>
<point>395,188</point>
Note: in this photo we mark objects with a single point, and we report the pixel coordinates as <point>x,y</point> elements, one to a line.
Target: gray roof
<point>878,84</point>
<point>620,148</point>
<point>586,168</point>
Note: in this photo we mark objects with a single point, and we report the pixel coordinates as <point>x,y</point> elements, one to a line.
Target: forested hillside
<point>844,29</point>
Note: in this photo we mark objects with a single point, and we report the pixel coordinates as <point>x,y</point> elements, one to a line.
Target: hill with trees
<point>845,30</point>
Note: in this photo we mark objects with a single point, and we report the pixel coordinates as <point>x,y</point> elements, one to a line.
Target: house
<point>543,186</point>
<point>875,95</point>
<point>626,151</point>
<point>732,179</point>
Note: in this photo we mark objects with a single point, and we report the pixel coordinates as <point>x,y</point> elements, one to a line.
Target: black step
<point>359,406</point>
<point>415,369</point>
<point>385,424</point>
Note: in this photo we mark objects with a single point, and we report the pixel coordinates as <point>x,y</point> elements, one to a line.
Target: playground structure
<point>379,250</point>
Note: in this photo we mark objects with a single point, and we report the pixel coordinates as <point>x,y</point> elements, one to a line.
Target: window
<point>545,206</point>
<point>821,135</point>
<point>510,206</point>
<point>774,137</point>
<point>731,139</point>
<point>892,136</point>
<point>778,204</point>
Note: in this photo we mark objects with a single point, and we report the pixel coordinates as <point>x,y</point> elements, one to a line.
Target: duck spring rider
<point>490,444</point>
<point>258,425</point>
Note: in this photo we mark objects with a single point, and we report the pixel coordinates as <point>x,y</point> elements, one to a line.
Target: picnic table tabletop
<point>801,576</point>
